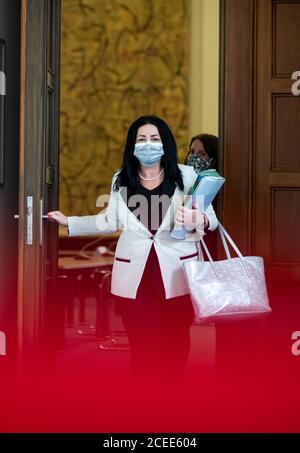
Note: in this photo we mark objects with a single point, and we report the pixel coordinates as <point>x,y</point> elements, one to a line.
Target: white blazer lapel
<point>127,217</point>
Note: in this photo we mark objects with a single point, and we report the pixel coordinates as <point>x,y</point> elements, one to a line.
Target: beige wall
<point>204,67</point>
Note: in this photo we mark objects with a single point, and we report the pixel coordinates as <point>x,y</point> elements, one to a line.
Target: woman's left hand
<point>190,218</point>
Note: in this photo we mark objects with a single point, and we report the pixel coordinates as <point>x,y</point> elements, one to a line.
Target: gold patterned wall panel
<point>120,59</point>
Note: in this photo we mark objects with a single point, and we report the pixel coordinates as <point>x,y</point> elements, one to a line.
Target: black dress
<point>158,329</point>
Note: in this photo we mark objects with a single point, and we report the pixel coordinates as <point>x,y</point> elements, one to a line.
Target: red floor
<point>90,389</point>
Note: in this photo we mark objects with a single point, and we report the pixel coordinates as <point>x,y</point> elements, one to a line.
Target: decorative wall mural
<point>119,59</point>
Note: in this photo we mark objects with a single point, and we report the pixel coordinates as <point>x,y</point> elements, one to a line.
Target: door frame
<point>34,81</point>
<point>237,119</point>
<point>236,75</point>
<point>241,109</point>
<point>32,140</point>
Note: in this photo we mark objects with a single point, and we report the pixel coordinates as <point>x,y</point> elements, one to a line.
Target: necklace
<point>151,179</point>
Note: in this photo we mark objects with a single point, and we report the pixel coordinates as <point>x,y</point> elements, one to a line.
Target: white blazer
<point>135,241</point>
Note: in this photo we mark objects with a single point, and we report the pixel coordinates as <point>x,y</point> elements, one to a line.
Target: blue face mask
<point>148,153</point>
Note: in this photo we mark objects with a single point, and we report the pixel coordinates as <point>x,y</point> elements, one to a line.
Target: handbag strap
<point>224,243</point>
<point>198,244</point>
<point>224,237</point>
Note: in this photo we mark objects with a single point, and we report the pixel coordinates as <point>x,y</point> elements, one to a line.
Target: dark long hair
<point>210,143</point>
<point>128,174</point>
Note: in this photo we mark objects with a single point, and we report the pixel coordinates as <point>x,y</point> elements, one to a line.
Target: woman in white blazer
<point>148,281</point>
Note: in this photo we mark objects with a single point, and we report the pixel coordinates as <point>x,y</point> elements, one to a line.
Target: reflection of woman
<point>203,157</point>
<point>148,281</point>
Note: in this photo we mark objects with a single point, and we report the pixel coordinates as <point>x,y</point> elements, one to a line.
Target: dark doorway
<point>9,173</point>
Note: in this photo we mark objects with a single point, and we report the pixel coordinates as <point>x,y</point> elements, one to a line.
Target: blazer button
<point>152,238</point>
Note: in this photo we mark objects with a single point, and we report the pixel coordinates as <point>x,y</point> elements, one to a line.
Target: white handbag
<point>227,290</point>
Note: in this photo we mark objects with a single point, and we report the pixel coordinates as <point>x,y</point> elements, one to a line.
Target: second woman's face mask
<point>148,153</point>
<point>199,163</point>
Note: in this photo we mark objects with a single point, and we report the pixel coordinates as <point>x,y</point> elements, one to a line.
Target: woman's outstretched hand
<point>58,217</point>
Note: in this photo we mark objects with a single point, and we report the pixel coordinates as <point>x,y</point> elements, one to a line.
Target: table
<point>76,262</point>
<point>78,277</point>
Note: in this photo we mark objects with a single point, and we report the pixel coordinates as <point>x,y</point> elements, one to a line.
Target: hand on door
<point>58,217</point>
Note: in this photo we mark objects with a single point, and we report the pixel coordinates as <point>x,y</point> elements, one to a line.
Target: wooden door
<point>277,160</point>
<point>260,133</point>
<point>38,176</point>
<point>10,12</point>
